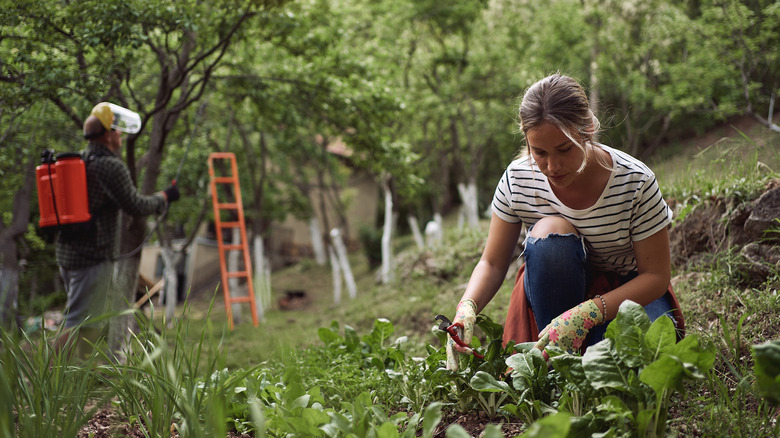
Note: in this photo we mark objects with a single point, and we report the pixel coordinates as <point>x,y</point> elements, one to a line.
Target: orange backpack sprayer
<point>62,189</point>
<point>62,179</point>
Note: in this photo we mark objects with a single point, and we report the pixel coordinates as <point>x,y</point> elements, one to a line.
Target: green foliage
<point>622,384</point>
<point>371,242</point>
<point>767,370</point>
<point>44,391</point>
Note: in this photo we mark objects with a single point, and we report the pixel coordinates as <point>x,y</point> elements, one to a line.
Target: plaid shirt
<point>109,190</point>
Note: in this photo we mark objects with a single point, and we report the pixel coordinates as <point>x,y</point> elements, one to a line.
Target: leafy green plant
<point>161,384</point>
<point>478,382</point>
<point>766,357</point>
<point>767,370</point>
<point>46,392</point>
<point>623,384</point>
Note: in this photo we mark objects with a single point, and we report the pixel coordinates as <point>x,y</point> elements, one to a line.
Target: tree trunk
<point>9,283</point>
<point>318,245</point>
<point>170,261</point>
<point>9,261</point>
<point>341,253</point>
<point>262,278</point>
<point>470,208</point>
<point>235,289</point>
<point>336,273</point>
<point>387,235</point>
<point>415,226</point>
<point>123,288</point>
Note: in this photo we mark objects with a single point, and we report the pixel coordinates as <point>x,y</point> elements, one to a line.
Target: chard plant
<point>478,383</point>
<point>622,385</point>
<point>766,369</point>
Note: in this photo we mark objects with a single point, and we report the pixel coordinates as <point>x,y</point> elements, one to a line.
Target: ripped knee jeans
<point>558,277</point>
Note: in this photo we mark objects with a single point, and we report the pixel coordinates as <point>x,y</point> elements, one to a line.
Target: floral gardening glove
<point>569,330</point>
<point>465,317</point>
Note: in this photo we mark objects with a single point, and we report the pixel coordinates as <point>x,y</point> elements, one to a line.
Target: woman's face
<point>557,156</point>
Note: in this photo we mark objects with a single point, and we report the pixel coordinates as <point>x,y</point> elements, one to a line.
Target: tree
<point>83,53</point>
<point>746,36</point>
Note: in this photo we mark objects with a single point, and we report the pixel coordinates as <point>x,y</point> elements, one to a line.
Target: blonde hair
<point>560,101</point>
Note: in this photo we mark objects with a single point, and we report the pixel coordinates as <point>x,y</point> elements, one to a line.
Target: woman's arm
<point>654,265</point>
<point>490,271</point>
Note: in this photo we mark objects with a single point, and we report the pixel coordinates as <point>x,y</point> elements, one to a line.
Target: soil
<point>106,423</point>
<point>474,423</point>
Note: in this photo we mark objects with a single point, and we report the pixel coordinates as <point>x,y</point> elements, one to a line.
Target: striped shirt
<point>630,209</point>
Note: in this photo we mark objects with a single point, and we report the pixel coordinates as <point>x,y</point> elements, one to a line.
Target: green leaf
<point>492,431</point>
<point>484,382</point>
<point>660,336</point>
<point>315,417</point>
<point>491,329</point>
<point>767,369</point>
<point>553,426</point>
<point>645,421</point>
<point>381,331</point>
<point>690,351</point>
<point>328,336</point>
<point>387,430</point>
<point>457,431</point>
<point>665,373</point>
<point>614,405</point>
<point>351,338</point>
<point>570,367</point>
<point>627,331</point>
<point>431,418</point>
<point>526,365</point>
<point>302,401</point>
<point>603,367</point>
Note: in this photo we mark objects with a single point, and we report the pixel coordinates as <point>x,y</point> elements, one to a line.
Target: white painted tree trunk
<point>336,271</point>
<point>171,284</point>
<point>341,252</point>
<point>318,246</point>
<point>233,265</point>
<point>468,194</point>
<point>262,278</point>
<point>415,226</point>
<point>433,234</point>
<point>387,235</point>
<point>123,287</point>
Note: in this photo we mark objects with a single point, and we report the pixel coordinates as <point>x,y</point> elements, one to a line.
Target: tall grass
<point>169,382</point>
<point>737,167</point>
<point>45,392</point>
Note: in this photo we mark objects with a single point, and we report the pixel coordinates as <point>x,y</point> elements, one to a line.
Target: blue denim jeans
<point>558,276</point>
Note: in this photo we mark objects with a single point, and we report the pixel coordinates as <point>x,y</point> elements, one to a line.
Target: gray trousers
<point>88,290</point>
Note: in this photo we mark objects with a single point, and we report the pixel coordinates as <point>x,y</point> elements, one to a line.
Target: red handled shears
<point>454,331</point>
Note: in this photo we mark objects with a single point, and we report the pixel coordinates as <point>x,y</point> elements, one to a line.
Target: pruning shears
<point>454,331</point>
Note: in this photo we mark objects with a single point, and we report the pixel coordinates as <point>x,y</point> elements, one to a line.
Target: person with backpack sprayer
<point>86,251</point>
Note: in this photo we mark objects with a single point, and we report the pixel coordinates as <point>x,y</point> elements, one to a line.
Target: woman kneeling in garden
<point>597,230</point>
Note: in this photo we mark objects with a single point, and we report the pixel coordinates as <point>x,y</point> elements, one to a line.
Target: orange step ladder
<point>231,186</point>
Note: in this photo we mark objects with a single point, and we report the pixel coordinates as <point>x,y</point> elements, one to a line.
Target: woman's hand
<point>465,317</point>
<point>569,330</point>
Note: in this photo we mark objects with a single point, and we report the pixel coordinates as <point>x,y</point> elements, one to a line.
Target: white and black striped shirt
<point>631,208</point>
